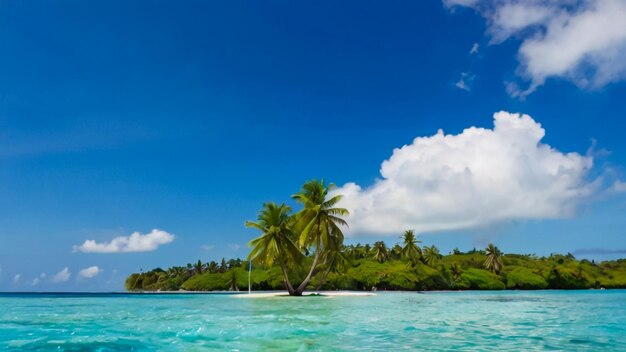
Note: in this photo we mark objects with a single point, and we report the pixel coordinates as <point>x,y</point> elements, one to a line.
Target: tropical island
<point>306,251</point>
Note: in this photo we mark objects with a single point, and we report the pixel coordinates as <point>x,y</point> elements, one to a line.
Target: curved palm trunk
<point>323,278</point>
<point>287,283</point>
<point>300,289</point>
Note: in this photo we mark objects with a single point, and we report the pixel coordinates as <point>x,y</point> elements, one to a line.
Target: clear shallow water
<point>538,320</point>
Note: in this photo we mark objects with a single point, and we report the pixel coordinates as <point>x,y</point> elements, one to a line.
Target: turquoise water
<point>538,320</point>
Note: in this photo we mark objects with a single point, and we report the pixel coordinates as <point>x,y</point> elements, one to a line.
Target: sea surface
<point>477,321</point>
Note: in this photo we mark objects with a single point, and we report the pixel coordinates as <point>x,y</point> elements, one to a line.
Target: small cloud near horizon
<point>62,276</point>
<point>136,242</point>
<point>89,272</point>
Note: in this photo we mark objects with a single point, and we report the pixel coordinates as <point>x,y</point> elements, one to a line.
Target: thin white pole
<point>249,273</point>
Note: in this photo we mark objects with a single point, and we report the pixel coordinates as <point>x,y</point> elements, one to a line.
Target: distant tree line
<point>399,267</point>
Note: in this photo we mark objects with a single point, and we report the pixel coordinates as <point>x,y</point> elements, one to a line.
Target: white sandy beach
<point>317,293</point>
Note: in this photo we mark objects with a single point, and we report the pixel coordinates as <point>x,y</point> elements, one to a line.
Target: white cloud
<point>37,280</point>
<point>89,272</point>
<point>207,247</point>
<point>474,49</point>
<point>136,242</point>
<point>16,278</point>
<point>619,186</point>
<point>474,179</point>
<point>62,276</point>
<point>234,246</point>
<point>581,41</point>
<point>465,81</point>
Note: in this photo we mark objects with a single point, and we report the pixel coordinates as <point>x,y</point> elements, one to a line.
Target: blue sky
<point>120,117</point>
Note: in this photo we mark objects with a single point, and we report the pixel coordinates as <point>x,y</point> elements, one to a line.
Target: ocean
<point>389,321</point>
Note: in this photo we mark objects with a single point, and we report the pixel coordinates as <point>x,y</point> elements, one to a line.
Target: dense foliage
<point>363,270</point>
<point>305,250</point>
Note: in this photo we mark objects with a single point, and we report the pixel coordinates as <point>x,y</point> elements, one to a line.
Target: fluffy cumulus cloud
<point>62,276</point>
<point>473,179</point>
<point>580,40</point>
<point>136,242</point>
<point>89,272</point>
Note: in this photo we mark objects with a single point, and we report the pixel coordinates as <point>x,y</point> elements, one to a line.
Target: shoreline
<point>280,292</point>
<point>357,293</point>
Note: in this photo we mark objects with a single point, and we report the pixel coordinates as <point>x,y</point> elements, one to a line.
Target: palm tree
<point>232,282</point>
<point>334,260</point>
<point>275,242</point>
<point>359,251</point>
<point>431,255</point>
<point>411,250</point>
<point>198,267</point>
<point>456,271</point>
<point>212,267</point>
<point>395,252</point>
<point>380,251</point>
<point>319,224</point>
<point>493,262</point>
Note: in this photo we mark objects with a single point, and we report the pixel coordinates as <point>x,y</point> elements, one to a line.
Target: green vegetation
<point>305,250</point>
<point>360,269</point>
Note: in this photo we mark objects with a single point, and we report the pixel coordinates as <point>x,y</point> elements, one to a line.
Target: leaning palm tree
<point>380,251</point>
<point>275,243</point>
<point>410,249</point>
<point>431,256</point>
<point>493,262</point>
<point>319,224</point>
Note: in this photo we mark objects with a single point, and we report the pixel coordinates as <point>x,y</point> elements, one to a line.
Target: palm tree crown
<point>380,251</point>
<point>274,223</point>
<point>493,262</point>
<point>431,255</point>
<point>410,249</point>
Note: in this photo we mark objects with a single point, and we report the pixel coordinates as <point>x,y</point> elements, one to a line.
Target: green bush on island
<point>478,279</point>
<point>453,272</point>
<point>306,250</point>
<point>524,279</point>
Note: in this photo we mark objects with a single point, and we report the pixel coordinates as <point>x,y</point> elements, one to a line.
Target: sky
<point>136,135</point>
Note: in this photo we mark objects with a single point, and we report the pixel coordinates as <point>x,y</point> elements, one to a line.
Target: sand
<point>320,293</point>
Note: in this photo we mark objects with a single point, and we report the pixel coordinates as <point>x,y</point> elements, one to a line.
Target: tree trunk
<point>287,283</point>
<point>318,250</point>
<point>300,289</point>
<point>324,277</point>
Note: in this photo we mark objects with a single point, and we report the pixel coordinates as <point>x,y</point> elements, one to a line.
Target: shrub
<point>478,279</point>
